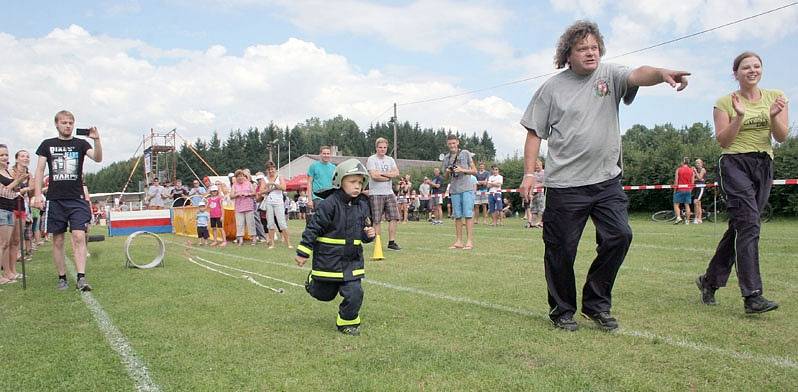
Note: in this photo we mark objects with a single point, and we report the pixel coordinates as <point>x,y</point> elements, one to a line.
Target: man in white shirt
<point>382,169</point>
<point>495,182</point>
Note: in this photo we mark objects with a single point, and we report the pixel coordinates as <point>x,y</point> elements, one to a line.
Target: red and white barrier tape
<point>634,187</point>
<point>646,187</point>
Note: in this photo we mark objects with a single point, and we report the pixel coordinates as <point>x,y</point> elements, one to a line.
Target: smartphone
<point>82,131</point>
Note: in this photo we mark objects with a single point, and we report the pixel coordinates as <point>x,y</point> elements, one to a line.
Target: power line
<point>706,31</point>
<point>614,57</point>
<point>380,115</point>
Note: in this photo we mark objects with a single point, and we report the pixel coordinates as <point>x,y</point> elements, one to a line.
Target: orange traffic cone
<point>377,249</point>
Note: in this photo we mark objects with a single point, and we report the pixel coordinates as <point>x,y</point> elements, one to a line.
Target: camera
<point>82,131</point>
<point>451,169</point>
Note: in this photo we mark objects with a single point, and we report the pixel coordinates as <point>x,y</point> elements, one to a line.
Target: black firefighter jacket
<point>334,237</point>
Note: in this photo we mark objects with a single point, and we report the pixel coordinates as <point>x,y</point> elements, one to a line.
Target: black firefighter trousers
<point>565,216</point>
<point>351,291</point>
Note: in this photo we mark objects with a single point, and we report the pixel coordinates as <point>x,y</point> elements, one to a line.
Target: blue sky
<point>204,65</point>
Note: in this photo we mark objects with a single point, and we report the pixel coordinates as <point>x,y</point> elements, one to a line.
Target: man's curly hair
<point>573,35</point>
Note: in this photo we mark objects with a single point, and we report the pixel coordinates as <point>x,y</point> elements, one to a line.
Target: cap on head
<point>202,203</point>
<point>214,188</point>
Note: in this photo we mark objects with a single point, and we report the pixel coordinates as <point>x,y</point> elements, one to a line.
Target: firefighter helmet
<point>347,168</point>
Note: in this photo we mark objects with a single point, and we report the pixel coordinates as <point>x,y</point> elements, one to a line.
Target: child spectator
<point>215,209</point>
<point>203,218</point>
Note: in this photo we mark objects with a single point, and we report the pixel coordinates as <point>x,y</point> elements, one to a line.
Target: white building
<point>300,165</point>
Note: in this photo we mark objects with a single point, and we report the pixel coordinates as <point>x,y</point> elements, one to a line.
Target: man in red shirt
<point>683,192</point>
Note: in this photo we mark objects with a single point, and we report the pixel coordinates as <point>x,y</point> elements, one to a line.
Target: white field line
<point>136,369</point>
<point>245,277</point>
<point>741,355</point>
<point>624,267</point>
<point>676,342</point>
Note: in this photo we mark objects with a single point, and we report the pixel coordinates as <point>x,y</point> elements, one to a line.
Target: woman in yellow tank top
<point>745,122</point>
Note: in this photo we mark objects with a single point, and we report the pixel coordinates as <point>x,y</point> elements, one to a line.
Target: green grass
<point>434,319</point>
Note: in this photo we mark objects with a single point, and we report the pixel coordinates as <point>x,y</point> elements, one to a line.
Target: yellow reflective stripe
<point>358,272</point>
<point>335,241</point>
<point>305,249</point>
<point>342,323</point>
<point>325,274</point>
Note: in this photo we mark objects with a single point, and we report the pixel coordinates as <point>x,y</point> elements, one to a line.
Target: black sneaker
<point>707,293</point>
<point>393,246</point>
<point>565,322</point>
<point>351,330</point>
<point>759,304</point>
<point>603,320</point>
<point>83,285</point>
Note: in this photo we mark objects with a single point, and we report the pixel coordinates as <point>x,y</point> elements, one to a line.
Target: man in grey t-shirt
<point>459,168</point>
<point>382,169</point>
<point>576,111</point>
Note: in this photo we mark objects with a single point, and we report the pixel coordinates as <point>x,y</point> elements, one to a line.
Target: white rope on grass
<point>249,272</point>
<point>783,362</point>
<point>245,277</point>
<point>135,367</point>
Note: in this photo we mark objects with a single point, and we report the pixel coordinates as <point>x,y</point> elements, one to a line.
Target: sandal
<point>455,246</point>
<point>468,247</point>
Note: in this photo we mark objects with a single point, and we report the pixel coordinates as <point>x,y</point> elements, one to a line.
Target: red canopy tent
<point>297,183</point>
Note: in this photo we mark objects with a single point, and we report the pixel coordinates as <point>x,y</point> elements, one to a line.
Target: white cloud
<point>120,86</point>
<point>583,8</point>
<point>420,25</point>
<point>656,17</point>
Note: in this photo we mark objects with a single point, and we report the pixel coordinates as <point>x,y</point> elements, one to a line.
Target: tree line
<point>250,149</point>
<point>650,155</point>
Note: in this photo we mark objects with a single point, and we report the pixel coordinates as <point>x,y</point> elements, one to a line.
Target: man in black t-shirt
<point>66,207</point>
<point>436,201</point>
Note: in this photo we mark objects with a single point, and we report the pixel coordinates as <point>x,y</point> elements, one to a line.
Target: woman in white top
<point>272,188</point>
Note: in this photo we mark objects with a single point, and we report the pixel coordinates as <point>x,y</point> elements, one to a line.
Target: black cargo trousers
<point>565,216</point>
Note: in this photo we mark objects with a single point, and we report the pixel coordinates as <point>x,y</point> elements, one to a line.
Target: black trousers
<point>566,213</point>
<point>351,291</point>
<point>746,180</point>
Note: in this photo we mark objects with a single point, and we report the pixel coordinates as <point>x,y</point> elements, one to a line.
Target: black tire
<point>766,213</point>
<point>663,216</point>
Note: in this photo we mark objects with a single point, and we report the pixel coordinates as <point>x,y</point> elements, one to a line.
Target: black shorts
<point>699,193</point>
<point>303,209</point>
<point>72,213</point>
<point>216,223</point>
<point>202,232</point>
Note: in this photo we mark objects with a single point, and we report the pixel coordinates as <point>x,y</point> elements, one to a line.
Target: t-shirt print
<point>64,163</point>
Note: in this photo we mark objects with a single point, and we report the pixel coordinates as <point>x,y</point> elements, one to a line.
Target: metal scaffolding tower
<point>160,156</point>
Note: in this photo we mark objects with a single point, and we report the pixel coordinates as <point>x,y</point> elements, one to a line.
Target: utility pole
<point>393,120</point>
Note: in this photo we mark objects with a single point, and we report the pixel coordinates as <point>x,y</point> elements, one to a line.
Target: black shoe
<point>565,322</point>
<point>393,246</point>
<point>351,330</point>
<point>603,320</point>
<point>759,304</point>
<point>707,293</point>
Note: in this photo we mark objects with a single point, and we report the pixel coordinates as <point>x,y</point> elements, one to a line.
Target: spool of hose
<point>155,262</point>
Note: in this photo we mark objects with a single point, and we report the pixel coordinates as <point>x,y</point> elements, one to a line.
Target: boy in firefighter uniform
<point>334,238</point>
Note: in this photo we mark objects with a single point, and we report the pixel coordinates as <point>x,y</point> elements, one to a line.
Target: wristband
<point>529,175</point>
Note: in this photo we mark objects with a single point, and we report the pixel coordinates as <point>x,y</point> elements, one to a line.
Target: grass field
<point>434,319</point>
